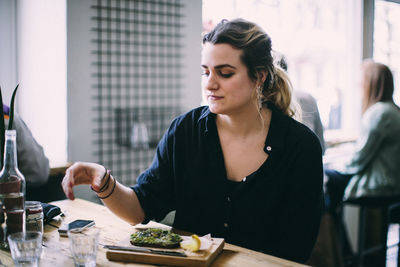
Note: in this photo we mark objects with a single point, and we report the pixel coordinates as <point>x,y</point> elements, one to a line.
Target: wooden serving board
<point>197,259</point>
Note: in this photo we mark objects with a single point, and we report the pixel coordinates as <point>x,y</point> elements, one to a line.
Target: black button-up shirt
<point>275,210</point>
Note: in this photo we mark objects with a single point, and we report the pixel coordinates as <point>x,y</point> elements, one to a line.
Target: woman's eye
<point>205,74</point>
<point>226,75</point>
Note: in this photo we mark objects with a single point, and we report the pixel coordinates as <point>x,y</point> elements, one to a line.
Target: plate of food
<point>162,246</point>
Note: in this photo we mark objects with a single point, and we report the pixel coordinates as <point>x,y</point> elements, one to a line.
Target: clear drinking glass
<point>26,248</point>
<point>83,244</point>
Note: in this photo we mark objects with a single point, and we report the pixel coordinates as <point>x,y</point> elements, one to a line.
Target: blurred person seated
<point>308,105</point>
<point>373,169</point>
<point>310,114</point>
<point>32,162</point>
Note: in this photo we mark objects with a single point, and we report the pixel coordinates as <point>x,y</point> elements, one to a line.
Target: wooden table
<point>113,230</point>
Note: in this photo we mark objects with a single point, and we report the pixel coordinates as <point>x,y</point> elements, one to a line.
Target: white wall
<point>41,50</point>
<point>192,50</point>
<point>8,67</point>
<point>79,81</point>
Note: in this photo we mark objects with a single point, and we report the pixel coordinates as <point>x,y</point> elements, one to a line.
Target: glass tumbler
<point>26,248</point>
<point>83,245</point>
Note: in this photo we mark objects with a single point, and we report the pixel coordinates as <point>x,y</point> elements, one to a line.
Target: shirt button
<point>229,199</point>
<point>269,148</point>
<point>244,179</point>
<point>226,225</point>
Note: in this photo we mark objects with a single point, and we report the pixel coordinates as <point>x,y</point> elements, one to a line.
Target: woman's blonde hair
<point>256,46</point>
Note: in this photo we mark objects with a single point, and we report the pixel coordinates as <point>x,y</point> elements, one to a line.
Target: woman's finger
<point>70,180</point>
<point>67,187</point>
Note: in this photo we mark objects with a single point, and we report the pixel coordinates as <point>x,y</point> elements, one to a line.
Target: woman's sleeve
<point>303,203</point>
<point>155,186</point>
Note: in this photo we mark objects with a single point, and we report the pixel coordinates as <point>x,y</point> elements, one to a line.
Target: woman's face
<point>226,85</point>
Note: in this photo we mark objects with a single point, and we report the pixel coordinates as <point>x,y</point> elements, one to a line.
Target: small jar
<point>34,216</point>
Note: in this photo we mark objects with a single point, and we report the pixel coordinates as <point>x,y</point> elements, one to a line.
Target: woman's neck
<point>245,123</point>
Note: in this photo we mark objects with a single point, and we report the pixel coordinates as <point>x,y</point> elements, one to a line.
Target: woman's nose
<point>210,83</point>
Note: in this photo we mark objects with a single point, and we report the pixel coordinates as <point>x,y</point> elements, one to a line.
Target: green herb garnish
<point>155,237</point>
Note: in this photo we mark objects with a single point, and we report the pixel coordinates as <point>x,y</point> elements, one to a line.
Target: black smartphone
<point>77,224</point>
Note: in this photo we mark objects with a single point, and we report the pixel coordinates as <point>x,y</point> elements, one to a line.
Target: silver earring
<point>259,97</point>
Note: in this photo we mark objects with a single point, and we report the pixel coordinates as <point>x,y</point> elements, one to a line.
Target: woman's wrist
<point>104,182</point>
<point>109,190</point>
<point>107,185</point>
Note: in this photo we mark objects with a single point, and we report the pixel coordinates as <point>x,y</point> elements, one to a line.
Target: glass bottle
<point>12,191</point>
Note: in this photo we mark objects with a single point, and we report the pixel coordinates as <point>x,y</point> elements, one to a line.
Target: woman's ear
<point>262,76</point>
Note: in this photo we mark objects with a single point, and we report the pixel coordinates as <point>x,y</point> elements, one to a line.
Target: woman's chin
<point>215,109</point>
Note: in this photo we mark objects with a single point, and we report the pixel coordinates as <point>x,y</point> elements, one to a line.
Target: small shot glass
<point>83,245</point>
<point>26,248</point>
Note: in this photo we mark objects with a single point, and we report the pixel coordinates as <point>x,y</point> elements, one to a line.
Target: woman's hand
<point>82,173</point>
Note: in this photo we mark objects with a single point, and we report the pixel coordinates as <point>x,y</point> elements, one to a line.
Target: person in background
<point>310,115</point>
<point>32,162</point>
<point>309,108</point>
<point>240,168</point>
<point>373,169</point>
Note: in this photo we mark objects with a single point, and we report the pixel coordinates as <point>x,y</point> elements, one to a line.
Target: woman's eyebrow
<point>221,66</point>
<point>224,66</point>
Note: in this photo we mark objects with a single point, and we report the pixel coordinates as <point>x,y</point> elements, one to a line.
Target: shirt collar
<point>207,115</point>
<point>276,133</point>
<point>204,113</point>
<point>278,127</point>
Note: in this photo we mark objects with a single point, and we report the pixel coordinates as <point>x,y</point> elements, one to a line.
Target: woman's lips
<point>214,97</point>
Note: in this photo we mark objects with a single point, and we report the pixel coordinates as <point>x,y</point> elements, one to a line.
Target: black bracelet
<point>105,186</point>
<point>112,190</point>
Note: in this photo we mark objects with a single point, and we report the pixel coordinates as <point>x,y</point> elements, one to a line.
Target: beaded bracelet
<point>112,190</point>
<point>105,186</point>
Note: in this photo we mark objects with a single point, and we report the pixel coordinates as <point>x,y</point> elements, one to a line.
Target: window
<point>322,43</point>
<point>387,39</point>
<point>33,55</point>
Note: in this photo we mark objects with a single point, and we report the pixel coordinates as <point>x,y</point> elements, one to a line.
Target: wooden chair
<point>389,208</point>
<point>394,218</point>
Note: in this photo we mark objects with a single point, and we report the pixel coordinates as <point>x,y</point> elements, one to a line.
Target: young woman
<point>373,170</point>
<point>240,168</point>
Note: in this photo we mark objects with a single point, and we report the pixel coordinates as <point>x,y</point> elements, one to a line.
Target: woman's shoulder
<point>382,111</point>
<point>382,108</point>
<point>193,115</point>
<point>189,119</point>
<point>300,132</point>
<point>295,133</point>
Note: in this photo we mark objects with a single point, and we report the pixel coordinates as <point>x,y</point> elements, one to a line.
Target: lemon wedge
<point>192,244</point>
